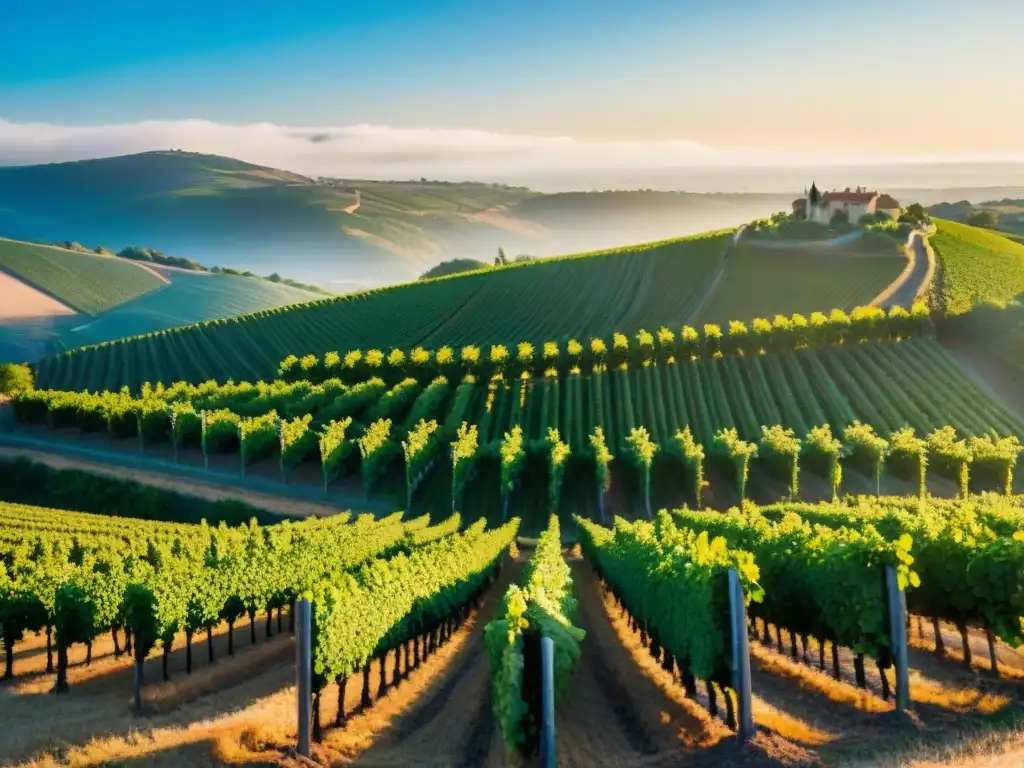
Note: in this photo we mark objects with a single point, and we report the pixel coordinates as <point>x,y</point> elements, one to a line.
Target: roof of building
<point>887,202</point>
<point>858,197</point>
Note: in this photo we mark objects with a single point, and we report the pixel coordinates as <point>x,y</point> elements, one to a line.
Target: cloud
<point>384,152</point>
<point>356,150</point>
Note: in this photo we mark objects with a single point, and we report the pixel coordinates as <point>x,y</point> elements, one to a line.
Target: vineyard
<point>761,282</point>
<point>88,283</point>
<point>818,476</point>
<point>976,266</point>
<point>811,576</point>
<point>811,408</point>
<point>76,576</point>
<point>589,294</point>
<point>190,298</point>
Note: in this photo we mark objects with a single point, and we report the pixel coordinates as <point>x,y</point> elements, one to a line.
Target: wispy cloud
<point>378,151</point>
<point>347,151</point>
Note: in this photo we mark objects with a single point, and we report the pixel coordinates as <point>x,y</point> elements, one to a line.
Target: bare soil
<point>22,302</point>
<point>625,709</point>
<point>211,491</point>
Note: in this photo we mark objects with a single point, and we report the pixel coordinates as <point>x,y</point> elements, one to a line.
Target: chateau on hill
<point>821,207</point>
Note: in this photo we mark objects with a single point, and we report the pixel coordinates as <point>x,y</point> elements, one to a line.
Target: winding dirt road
<point>914,280</point>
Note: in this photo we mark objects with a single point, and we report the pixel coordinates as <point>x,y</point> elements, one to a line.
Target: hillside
<point>592,294</point>
<point>762,281</point>
<point>1005,215</point>
<point>333,231</point>
<point>190,298</point>
<point>86,282</point>
<point>55,298</point>
<point>975,265</point>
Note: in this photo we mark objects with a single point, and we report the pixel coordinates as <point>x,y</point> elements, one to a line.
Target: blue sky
<point>791,76</point>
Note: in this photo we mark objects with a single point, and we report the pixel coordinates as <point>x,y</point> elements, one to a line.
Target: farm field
<point>589,294</point>
<point>190,298</point>
<point>87,283</point>
<point>975,266</point>
<point>34,324</point>
<point>892,387</point>
<point>580,296</point>
<point>387,694</point>
<point>763,281</point>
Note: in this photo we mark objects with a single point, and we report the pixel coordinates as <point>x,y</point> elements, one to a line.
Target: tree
<point>914,213</point>
<point>839,219</point>
<point>452,267</point>
<point>14,377</point>
<point>984,219</point>
<point>502,258</point>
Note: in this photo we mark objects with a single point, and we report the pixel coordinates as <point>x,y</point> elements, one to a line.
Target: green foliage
<point>88,283</point>
<point>558,453</point>
<point>736,455</point>
<point>465,454</point>
<point>950,457</point>
<point>422,313</point>
<point>908,457</point>
<point>513,456</point>
<point>780,451</point>
<point>976,266</point>
<point>674,582</point>
<point>868,452</point>
<point>15,378</point>
<point>983,219</point>
<point>377,448</point>
<point>817,582</point>
<point>602,459</point>
<point>823,455</point>
<point>994,459</point>
<point>692,454</point>
<point>543,606</point>
<point>220,431</point>
<point>259,436</point>
<point>334,448</point>
<point>298,441</point>
<point>419,448</point>
<point>452,267</point>
<point>357,616</point>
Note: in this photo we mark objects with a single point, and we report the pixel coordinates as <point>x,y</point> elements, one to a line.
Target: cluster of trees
<point>153,256</point>
<point>456,266</point>
<point>984,219</point>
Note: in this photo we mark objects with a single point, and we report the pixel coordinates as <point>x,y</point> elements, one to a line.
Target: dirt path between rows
<point>625,710</point>
<point>716,280</point>
<point>441,716</point>
<point>192,487</point>
<point>990,373</point>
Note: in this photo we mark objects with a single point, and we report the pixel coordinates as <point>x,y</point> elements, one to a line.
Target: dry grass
<point>955,699</point>
<point>983,749</point>
<point>813,681</point>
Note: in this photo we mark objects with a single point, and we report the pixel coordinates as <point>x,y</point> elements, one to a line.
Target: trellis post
<point>898,637</point>
<point>740,659</point>
<point>304,682</point>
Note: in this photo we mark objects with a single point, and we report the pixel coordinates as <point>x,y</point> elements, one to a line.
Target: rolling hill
<point>762,281</point>
<point>86,282</point>
<point>217,210</point>
<point>975,265</point>
<point>54,298</point>
<point>593,294</point>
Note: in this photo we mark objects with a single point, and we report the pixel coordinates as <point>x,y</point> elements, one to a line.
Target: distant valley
<point>338,233</point>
